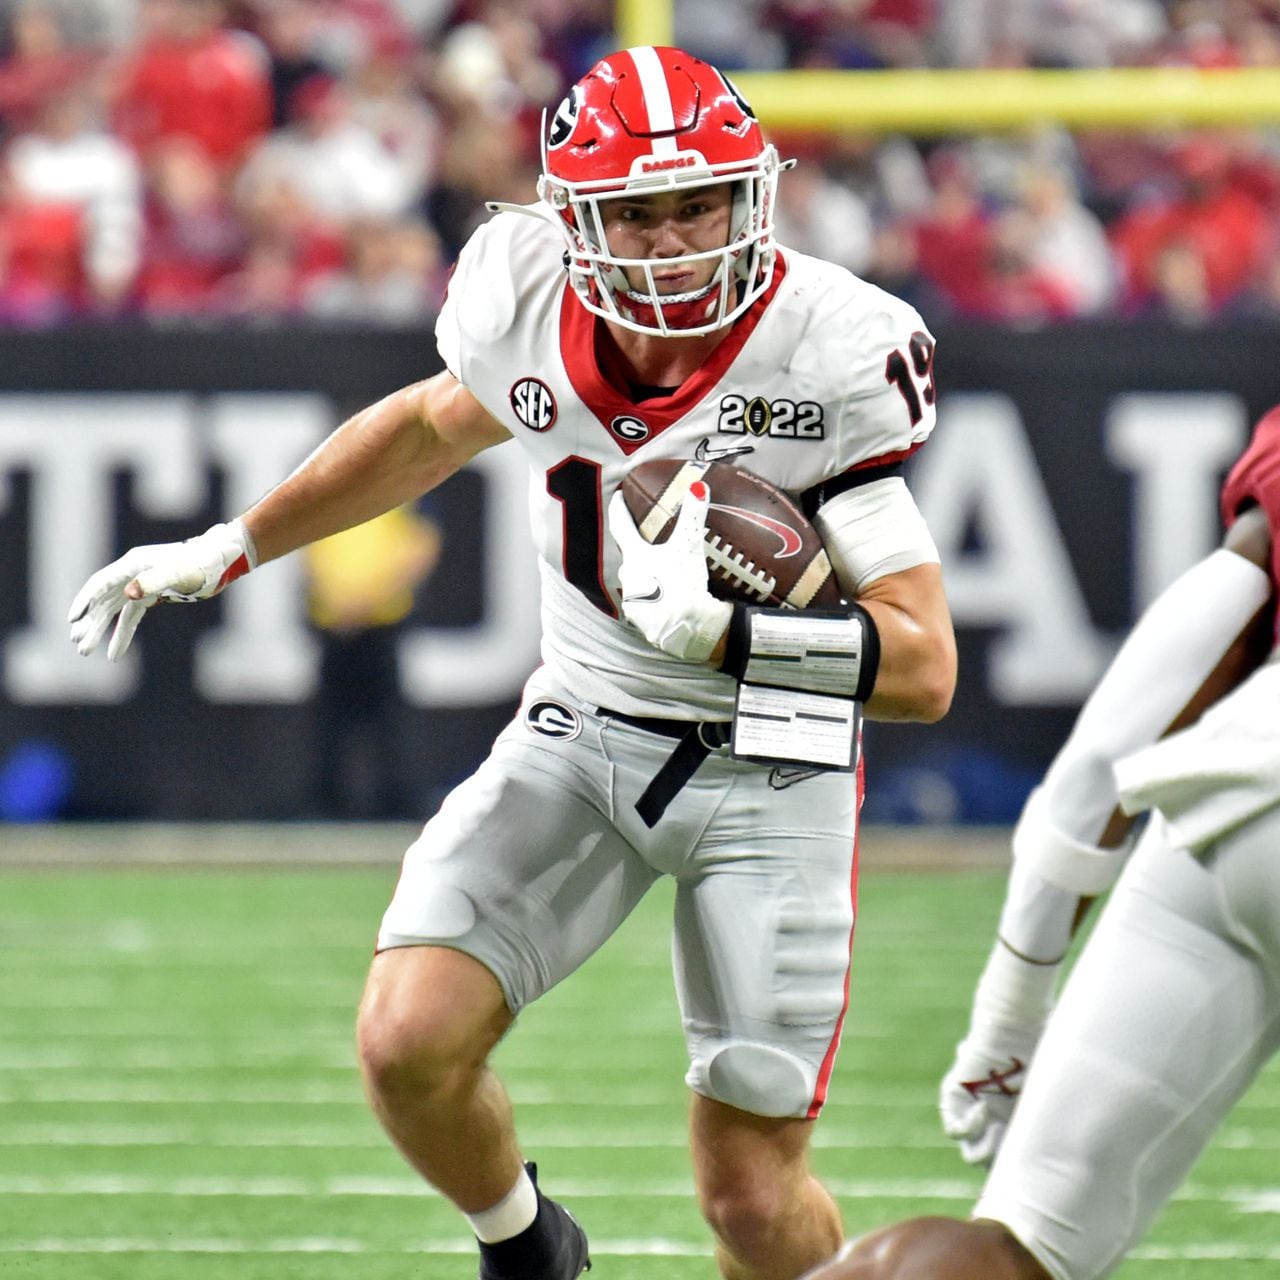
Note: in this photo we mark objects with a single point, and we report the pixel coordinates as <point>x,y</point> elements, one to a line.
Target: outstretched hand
<point>125,589</point>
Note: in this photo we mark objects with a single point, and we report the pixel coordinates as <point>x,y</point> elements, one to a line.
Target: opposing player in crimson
<point>1092,1115</point>
<point>639,309</point>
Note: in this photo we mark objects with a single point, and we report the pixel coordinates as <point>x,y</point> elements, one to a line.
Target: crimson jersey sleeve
<point>1255,481</point>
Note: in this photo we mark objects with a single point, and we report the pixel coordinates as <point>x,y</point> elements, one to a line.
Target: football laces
<point>733,566</point>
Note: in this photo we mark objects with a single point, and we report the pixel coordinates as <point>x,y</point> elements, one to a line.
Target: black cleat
<point>553,1247</point>
<point>573,1256</point>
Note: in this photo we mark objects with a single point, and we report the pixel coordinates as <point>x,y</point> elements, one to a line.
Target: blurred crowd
<point>188,161</point>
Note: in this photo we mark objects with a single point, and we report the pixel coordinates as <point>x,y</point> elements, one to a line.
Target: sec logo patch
<point>553,720</point>
<point>533,403</point>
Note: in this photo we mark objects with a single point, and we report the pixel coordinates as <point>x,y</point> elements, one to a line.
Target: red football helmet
<point>651,119</point>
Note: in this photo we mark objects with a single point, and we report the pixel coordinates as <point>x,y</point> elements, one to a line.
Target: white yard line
<point>92,1185</point>
<point>333,1053</point>
<point>302,844</point>
<point>1216,1251</point>
<point>40,1135</point>
<point>527,1087</point>
<point>1245,1199</point>
<point>1231,1139</point>
<point>312,1093</point>
<point>599,1248</point>
<point>147,1093</point>
<point>120,1030</point>
<point>157,1058</point>
<point>1258,1201</point>
<point>619,1139</point>
<point>78,996</point>
<point>1248,1199</point>
<point>252,845</point>
<point>128,1244</point>
<point>1219,1251</point>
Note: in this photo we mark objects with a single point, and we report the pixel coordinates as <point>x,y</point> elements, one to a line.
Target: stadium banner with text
<point>1072,474</point>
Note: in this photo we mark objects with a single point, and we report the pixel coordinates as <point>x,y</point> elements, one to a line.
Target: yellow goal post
<point>924,102</point>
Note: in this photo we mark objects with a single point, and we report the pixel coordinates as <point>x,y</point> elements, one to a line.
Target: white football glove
<point>980,1091</point>
<point>664,584</point>
<point>192,570</point>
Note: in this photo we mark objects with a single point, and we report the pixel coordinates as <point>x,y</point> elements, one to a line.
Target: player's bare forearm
<point>916,677</point>
<point>387,454</point>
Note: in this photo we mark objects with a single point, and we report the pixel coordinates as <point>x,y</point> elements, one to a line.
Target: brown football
<point>761,548</point>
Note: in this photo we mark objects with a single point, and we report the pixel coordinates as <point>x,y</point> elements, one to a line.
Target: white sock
<point>510,1216</point>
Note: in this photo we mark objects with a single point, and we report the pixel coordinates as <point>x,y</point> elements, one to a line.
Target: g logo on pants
<point>553,719</point>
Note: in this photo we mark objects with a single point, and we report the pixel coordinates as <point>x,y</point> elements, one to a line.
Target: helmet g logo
<point>736,95</point>
<point>563,121</point>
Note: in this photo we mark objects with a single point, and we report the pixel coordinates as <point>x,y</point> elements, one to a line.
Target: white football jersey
<point>824,376</point>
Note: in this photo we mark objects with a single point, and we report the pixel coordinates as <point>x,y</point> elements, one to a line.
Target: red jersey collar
<point>578,336</point>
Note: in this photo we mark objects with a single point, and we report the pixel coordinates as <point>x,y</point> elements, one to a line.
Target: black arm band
<point>835,651</point>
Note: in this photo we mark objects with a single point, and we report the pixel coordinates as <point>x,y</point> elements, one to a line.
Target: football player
<point>1174,1005</point>
<point>639,309</point>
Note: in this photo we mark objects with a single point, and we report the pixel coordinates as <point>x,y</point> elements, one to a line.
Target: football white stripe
<point>809,581</point>
<point>657,97</point>
<point>669,500</point>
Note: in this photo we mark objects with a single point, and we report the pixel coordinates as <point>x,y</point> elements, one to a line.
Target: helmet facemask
<point>600,277</point>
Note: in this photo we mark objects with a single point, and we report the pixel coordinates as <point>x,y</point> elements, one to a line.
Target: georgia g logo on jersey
<point>533,403</point>
<point>629,428</point>
<point>553,719</point>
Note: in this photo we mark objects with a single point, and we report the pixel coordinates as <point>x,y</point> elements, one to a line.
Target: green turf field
<point>178,1095</point>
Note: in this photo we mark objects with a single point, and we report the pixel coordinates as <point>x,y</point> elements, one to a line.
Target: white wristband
<point>1058,857</point>
<point>240,531</point>
<point>818,651</point>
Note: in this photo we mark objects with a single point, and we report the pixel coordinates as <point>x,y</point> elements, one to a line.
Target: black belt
<point>696,740</point>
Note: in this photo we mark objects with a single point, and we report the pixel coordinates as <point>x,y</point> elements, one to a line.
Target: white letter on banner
<point>1177,445</point>
<point>978,471</point>
<point>72,445</point>
<point>262,650</point>
<point>489,662</point>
